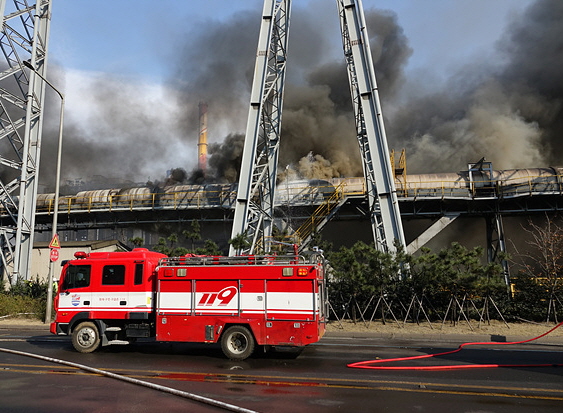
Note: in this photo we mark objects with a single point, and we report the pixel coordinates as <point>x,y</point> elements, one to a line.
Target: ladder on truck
<point>237,260</point>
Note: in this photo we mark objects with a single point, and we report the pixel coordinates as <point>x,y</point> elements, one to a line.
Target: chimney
<point>202,143</point>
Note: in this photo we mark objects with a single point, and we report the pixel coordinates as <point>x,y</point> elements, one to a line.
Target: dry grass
<point>24,320</point>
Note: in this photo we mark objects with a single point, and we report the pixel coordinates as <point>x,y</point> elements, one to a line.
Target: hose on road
<point>374,364</point>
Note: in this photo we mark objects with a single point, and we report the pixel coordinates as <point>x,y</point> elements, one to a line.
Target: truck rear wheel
<point>86,337</point>
<point>237,343</point>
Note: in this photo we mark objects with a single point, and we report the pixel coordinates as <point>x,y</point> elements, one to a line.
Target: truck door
<point>112,296</point>
<point>75,292</point>
<point>252,298</point>
<point>139,288</point>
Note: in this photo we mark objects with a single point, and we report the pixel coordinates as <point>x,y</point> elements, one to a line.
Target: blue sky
<point>133,37</point>
<point>134,47</point>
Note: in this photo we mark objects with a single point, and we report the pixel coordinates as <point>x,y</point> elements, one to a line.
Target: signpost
<point>55,246</point>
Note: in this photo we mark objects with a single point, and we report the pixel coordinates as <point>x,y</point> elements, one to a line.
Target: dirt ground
<point>21,320</point>
<point>493,327</point>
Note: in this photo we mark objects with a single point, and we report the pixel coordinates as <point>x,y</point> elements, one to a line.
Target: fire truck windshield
<point>77,276</point>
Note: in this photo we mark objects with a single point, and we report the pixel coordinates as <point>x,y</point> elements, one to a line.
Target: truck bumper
<point>59,329</point>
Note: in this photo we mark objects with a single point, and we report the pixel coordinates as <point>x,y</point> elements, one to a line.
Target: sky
<point>136,38</point>
<point>123,61</point>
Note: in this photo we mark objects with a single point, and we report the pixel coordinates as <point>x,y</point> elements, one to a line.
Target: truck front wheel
<point>237,343</point>
<point>86,337</point>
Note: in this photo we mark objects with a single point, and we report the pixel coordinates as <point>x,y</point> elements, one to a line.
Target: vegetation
<point>240,242</point>
<point>451,285</point>
<point>169,246</point>
<point>27,298</point>
<point>437,286</point>
<point>539,284</point>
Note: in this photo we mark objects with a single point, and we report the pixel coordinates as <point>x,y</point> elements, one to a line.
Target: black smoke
<point>508,110</point>
<point>534,46</point>
<point>217,66</point>
<point>225,159</point>
<point>318,115</point>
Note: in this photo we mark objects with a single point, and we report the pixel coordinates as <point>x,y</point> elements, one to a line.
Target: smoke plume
<point>125,134</point>
<point>509,111</point>
<point>511,114</point>
<point>225,160</point>
<point>317,114</point>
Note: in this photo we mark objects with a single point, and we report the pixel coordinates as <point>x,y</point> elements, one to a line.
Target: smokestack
<point>202,143</point>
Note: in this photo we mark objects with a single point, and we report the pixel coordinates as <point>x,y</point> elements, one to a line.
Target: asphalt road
<point>317,380</point>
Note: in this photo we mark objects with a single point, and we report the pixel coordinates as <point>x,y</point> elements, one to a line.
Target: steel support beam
<point>254,208</point>
<point>378,171</point>
<point>431,232</point>
<point>496,245</point>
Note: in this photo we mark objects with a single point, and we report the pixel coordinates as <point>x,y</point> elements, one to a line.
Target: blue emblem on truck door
<point>75,299</point>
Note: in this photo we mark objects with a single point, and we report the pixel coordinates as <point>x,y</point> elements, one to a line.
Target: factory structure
<point>430,204</point>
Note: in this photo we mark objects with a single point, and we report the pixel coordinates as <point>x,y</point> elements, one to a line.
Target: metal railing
<point>321,213</point>
<point>191,260</point>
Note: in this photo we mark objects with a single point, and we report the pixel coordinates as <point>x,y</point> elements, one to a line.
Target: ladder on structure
<point>320,217</point>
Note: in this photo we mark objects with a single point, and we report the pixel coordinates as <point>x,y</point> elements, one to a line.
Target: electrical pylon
<point>24,37</point>
<point>378,171</point>
<point>254,206</point>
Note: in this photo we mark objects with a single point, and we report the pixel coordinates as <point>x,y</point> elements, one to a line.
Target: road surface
<point>317,380</point>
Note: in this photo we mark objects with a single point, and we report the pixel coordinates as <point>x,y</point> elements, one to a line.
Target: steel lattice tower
<point>24,38</point>
<point>378,171</point>
<point>254,210</point>
<point>254,206</point>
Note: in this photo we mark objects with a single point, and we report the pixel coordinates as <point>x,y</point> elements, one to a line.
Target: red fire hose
<point>371,364</point>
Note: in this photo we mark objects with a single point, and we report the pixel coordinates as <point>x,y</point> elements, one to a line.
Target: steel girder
<point>496,245</point>
<point>382,197</point>
<point>254,208</point>
<point>24,36</point>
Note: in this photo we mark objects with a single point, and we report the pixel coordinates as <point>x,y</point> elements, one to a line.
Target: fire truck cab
<point>239,302</point>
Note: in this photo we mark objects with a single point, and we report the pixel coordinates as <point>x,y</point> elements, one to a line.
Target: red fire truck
<point>109,298</point>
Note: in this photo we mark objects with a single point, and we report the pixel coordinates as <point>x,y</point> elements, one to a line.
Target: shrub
<point>29,288</point>
<point>363,277</point>
<point>27,297</point>
<point>12,305</point>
